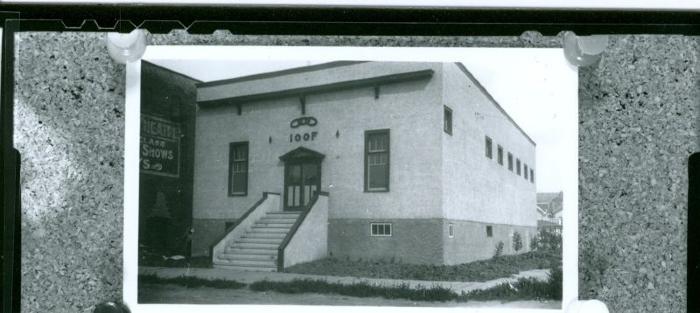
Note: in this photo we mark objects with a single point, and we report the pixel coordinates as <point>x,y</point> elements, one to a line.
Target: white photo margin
<point>568,89</point>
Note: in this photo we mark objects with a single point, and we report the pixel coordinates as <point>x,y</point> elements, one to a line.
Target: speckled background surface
<point>638,125</point>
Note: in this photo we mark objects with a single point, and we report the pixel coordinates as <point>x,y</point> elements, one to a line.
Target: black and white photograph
<point>320,176</point>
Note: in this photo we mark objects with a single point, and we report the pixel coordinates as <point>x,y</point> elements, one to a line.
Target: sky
<point>537,87</point>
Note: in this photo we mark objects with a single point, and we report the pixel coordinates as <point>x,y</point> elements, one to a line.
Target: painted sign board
<point>160,146</point>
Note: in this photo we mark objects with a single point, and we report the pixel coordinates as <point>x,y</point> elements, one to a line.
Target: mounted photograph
<point>427,177</point>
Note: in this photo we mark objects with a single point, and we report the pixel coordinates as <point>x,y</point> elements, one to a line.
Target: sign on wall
<point>160,146</point>
<point>303,136</point>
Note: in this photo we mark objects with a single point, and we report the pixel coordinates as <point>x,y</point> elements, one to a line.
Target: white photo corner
<point>347,176</point>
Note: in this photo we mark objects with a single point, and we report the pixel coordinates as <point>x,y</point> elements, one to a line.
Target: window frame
<point>231,161</point>
<point>384,226</point>
<point>488,147</point>
<point>510,161</point>
<point>525,169</point>
<point>447,124</point>
<point>499,154</point>
<point>368,133</point>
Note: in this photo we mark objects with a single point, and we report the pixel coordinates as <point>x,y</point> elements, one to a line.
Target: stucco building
<point>411,162</point>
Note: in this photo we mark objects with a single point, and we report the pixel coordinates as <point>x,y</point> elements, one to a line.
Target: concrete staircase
<point>257,249</point>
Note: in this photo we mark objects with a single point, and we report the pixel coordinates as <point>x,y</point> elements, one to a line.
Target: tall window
<point>525,172</point>
<point>448,120</point>
<point>488,144</point>
<point>517,166</point>
<point>532,175</point>
<point>377,160</point>
<point>510,161</point>
<point>238,169</point>
<point>499,154</point>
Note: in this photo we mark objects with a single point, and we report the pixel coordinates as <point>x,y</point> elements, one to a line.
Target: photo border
<point>428,54</point>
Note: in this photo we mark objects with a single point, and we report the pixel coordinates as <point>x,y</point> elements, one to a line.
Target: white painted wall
<point>477,188</point>
<point>408,109</point>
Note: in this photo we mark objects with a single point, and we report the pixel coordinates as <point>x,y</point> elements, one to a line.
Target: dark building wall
<point>167,152</point>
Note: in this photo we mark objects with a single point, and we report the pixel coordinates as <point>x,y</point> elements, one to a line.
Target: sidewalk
<point>251,277</point>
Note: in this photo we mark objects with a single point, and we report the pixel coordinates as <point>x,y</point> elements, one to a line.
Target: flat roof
<point>293,70</point>
<point>334,64</point>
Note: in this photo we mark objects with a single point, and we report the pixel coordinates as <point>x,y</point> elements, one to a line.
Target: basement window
<point>489,231</point>
<point>380,229</point>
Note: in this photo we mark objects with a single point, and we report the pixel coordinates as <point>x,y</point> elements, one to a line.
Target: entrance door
<point>302,180</point>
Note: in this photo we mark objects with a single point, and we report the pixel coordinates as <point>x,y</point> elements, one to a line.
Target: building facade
<point>416,161</point>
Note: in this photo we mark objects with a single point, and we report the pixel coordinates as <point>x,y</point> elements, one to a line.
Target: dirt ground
<point>157,293</point>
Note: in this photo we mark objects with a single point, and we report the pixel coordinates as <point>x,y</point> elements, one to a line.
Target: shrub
<point>517,241</point>
<point>533,243</point>
<point>191,282</point>
<point>547,240</point>
<point>499,250</point>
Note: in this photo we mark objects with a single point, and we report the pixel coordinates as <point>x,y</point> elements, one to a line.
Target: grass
<point>191,282</point>
<point>499,267</point>
<point>360,290</point>
<point>158,261</point>
<point>523,289</point>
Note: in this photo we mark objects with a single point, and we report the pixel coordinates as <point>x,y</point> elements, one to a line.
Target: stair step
<point>231,250</point>
<point>245,268</point>
<point>276,220</point>
<point>246,239</point>
<point>282,215</point>
<point>249,257</point>
<point>249,263</point>
<point>260,224</point>
<point>265,235</point>
<point>269,230</point>
<point>248,245</point>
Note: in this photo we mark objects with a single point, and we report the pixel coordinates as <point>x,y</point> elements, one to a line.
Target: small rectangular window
<point>238,169</point>
<point>532,175</point>
<point>377,160</point>
<point>510,161</point>
<point>517,166</point>
<point>380,229</point>
<point>489,231</point>
<point>451,230</point>
<point>448,120</point>
<point>526,172</point>
<point>500,155</point>
<point>489,152</point>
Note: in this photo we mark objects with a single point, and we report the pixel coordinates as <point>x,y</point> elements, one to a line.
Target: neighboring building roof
<point>546,197</point>
<point>551,202</point>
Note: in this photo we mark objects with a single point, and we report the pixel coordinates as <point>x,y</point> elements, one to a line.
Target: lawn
<point>523,289</point>
<point>503,266</point>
